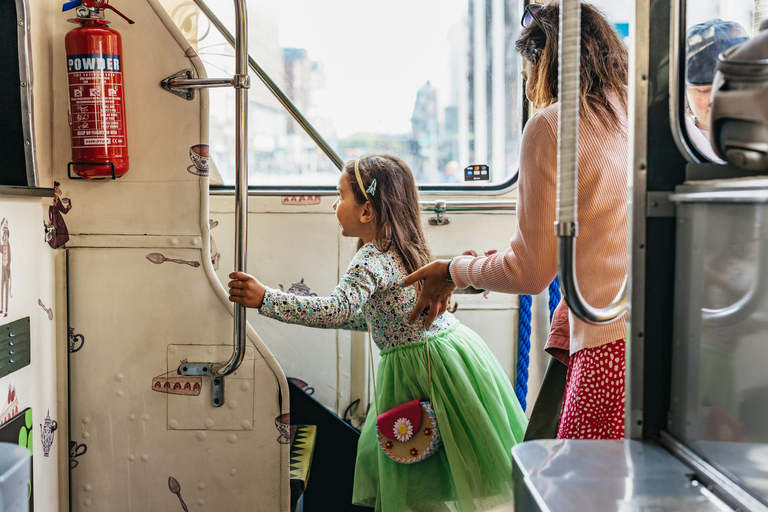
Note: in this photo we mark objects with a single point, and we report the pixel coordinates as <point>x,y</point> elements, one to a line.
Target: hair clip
<point>372,189</point>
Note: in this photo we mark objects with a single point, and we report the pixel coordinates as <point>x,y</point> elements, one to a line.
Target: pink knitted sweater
<point>530,262</point>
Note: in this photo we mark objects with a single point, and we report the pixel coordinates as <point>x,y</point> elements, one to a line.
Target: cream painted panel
<point>132,314</point>
<point>283,250</point>
<point>32,283</point>
<point>157,195</point>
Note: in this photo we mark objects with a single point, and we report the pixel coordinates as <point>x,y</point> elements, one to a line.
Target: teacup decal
<point>76,341</point>
<point>75,450</point>
<point>200,156</point>
<point>283,424</point>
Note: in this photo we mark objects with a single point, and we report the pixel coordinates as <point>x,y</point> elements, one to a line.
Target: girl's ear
<point>367,214</point>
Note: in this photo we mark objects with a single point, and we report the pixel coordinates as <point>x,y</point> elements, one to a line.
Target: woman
<point>594,398</point>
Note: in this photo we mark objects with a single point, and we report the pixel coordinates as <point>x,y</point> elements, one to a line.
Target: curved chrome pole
<point>284,100</point>
<point>741,309</point>
<point>241,178</point>
<point>566,225</point>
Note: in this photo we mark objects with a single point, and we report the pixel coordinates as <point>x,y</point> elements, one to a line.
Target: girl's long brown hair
<point>396,204</point>
<point>604,62</point>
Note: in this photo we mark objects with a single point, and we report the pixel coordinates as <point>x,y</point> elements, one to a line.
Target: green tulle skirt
<point>479,418</point>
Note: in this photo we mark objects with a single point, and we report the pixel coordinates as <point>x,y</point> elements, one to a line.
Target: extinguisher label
<point>96,100</point>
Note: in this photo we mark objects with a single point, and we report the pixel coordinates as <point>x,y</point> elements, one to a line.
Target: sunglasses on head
<point>530,15</point>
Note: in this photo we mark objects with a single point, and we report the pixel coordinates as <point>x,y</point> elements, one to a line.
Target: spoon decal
<point>157,258</point>
<point>47,310</point>
<point>175,488</point>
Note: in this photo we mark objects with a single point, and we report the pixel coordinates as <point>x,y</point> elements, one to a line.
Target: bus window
<point>436,82</point>
<point>712,26</point>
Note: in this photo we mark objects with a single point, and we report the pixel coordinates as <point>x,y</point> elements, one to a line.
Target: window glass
<point>712,26</point>
<point>436,82</point>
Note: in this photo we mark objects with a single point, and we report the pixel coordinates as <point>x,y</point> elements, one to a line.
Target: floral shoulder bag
<point>407,433</point>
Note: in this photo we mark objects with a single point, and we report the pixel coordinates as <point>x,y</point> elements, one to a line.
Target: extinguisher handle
<point>105,5</point>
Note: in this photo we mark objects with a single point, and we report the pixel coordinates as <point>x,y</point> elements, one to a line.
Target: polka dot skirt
<point>593,407</point>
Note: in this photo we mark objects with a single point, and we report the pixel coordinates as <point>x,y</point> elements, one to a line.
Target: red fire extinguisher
<point>96,92</point>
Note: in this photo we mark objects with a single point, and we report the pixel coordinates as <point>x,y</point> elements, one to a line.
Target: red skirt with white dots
<point>593,407</point>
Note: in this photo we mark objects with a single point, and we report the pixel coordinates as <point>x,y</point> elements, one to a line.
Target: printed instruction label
<point>96,100</point>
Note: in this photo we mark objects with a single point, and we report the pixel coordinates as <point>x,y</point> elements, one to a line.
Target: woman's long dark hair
<point>396,205</point>
<point>604,62</point>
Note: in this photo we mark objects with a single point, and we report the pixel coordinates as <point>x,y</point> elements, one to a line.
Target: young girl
<point>477,413</point>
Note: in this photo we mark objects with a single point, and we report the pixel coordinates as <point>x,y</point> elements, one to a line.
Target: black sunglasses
<point>530,15</point>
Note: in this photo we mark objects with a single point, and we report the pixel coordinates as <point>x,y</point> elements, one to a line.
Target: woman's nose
<point>335,204</point>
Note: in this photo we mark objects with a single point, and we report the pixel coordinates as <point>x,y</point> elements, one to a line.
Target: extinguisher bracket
<point>70,164</point>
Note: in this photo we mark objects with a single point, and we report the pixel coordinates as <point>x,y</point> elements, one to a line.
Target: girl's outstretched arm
<point>340,310</point>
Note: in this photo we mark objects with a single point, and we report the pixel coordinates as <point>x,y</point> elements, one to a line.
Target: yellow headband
<point>371,189</point>
<point>359,179</point>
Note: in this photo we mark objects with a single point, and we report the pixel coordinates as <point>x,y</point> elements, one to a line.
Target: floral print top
<point>368,294</point>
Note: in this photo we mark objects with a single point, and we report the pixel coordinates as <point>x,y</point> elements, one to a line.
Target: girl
<point>478,415</point>
<point>594,397</point>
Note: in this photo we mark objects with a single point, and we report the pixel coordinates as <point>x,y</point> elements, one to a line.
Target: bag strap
<point>373,376</point>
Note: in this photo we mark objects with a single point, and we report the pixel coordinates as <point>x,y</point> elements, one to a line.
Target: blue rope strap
<point>523,349</point>
<point>554,297</point>
<point>524,339</point>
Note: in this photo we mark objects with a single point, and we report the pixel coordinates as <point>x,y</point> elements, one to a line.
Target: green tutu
<point>479,418</point>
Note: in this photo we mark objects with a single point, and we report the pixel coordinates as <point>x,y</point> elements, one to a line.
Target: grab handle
<point>566,225</point>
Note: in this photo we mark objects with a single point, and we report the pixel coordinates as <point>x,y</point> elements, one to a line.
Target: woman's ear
<point>367,214</point>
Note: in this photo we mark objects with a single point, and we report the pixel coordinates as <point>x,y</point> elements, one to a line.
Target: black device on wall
<point>15,91</point>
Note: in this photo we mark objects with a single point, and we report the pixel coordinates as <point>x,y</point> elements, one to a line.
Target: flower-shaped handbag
<point>408,433</point>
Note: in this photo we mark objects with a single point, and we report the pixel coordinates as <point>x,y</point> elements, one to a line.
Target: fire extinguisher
<point>96,92</point>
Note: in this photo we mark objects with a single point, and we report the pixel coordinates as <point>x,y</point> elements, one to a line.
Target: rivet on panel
<point>246,424</point>
<point>201,485</point>
<point>209,423</point>
<point>232,472</point>
<point>131,458</point>
<point>132,417</point>
<point>87,487</point>
<point>201,435</point>
<point>232,438</point>
<point>174,424</point>
<point>172,349</point>
<point>145,417</point>
<point>200,502</point>
<point>119,377</point>
<point>86,435</point>
<point>119,393</point>
<point>145,457</point>
<point>86,419</point>
<point>232,403</point>
<point>195,242</point>
<point>174,241</point>
<point>87,502</point>
<point>245,386</point>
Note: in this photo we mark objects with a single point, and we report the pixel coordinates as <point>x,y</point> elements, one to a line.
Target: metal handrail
<point>467,206</point>
<point>240,82</point>
<point>241,180</point>
<point>566,225</point>
<point>284,100</point>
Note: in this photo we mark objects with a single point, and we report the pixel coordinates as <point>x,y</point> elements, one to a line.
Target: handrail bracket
<point>206,370</point>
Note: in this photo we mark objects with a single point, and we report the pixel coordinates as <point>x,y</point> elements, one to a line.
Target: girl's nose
<point>335,204</point>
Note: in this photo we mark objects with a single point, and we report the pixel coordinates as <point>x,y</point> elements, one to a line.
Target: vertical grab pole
<point>241,82</point>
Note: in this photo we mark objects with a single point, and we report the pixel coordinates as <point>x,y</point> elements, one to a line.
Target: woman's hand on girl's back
<point>435,292</point>
<point>246,290</point>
